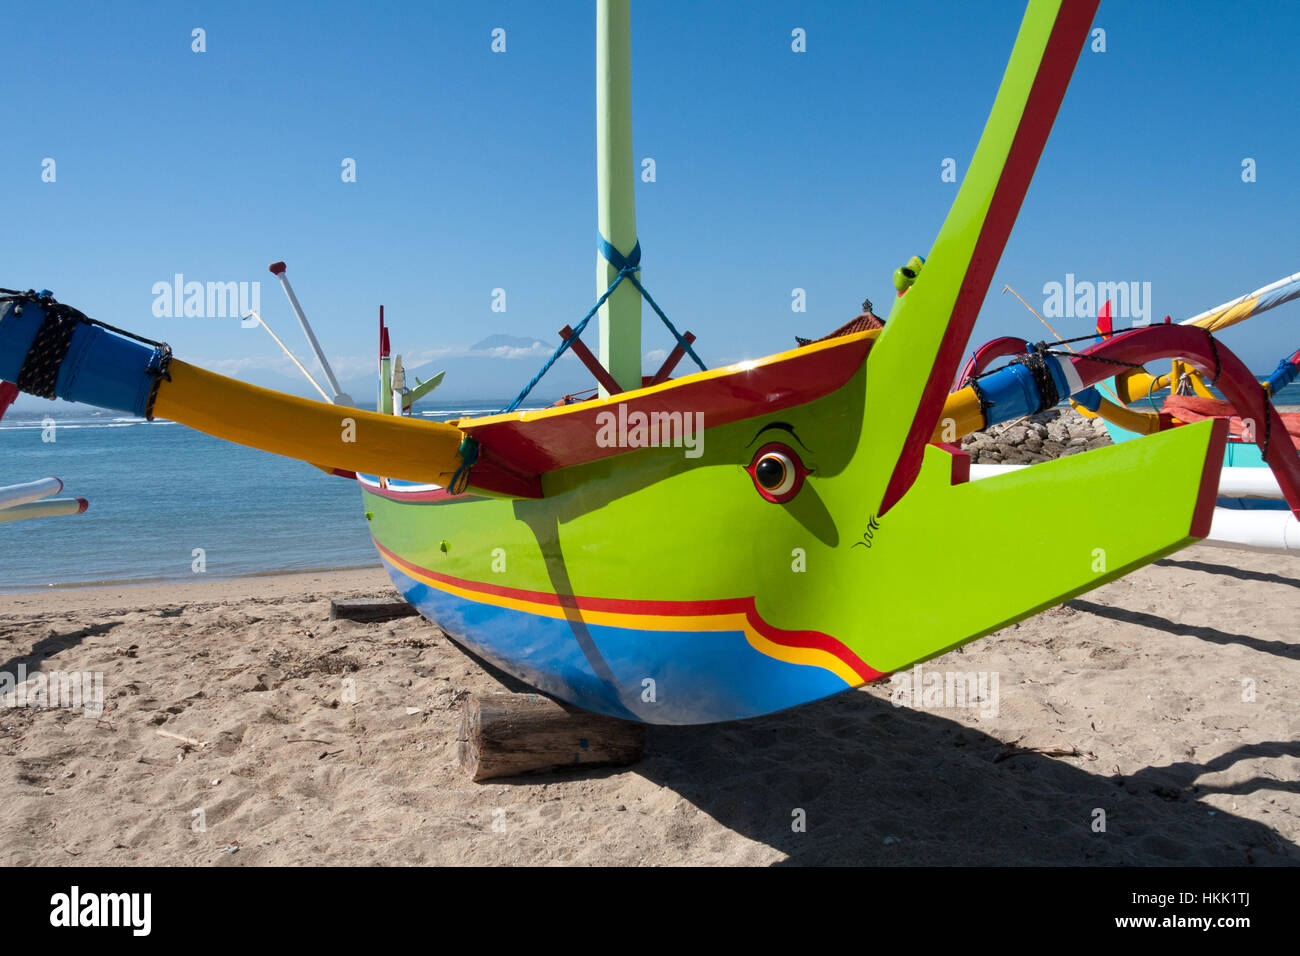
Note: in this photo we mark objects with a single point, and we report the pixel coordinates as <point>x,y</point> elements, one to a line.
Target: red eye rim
<point>791,483</point>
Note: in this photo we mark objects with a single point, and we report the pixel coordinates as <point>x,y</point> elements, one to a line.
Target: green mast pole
<point>620,316</point>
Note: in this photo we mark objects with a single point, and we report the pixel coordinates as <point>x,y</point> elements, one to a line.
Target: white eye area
<point>776,473</point>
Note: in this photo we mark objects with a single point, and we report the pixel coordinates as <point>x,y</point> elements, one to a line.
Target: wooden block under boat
<point>370,609</point>
<point>504,735</point>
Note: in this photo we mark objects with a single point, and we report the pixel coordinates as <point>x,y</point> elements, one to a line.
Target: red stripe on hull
<point>745,606</point>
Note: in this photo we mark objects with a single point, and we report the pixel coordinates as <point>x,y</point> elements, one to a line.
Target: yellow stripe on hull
<point>731,621</point>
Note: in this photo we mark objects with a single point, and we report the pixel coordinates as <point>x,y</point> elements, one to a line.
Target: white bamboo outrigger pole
<point>44,509</point>
<point>340,397</point>
<point>292,358</point>
<point>620,316</point>
<point>13,495</point>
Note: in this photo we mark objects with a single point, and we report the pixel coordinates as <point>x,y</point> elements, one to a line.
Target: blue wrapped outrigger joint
<point>1032,383</point>
<point>1283,375</point>
<point>100,366</point>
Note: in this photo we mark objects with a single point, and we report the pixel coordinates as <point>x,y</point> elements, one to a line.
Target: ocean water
<point>158,491</point>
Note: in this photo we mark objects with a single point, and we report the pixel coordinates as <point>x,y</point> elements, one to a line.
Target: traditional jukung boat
<point>743,539</point>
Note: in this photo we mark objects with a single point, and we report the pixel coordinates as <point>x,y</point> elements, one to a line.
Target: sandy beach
<point>1127,702</point>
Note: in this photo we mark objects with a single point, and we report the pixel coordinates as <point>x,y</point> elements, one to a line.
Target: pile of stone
<point>1054,433</point>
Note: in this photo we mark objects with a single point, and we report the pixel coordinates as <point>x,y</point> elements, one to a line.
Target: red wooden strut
<point>1218,364</point>
<point>592,363</point>
<point>671,361</point>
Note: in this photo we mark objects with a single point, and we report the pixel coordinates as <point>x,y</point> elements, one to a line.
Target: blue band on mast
<point>626,266</point>
<point>619,261</point>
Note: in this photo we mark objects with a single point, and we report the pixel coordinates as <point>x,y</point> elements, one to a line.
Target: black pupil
<point>770,471</point>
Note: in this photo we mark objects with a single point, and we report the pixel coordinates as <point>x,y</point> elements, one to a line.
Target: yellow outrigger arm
<point>54,351</point>
<point>332,436</point>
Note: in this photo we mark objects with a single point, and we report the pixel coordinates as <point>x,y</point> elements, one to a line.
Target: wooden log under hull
<point>505,735</point>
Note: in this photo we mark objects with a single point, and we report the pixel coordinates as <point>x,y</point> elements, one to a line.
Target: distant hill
<point>510,343</point>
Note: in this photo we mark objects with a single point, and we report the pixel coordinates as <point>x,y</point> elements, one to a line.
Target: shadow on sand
<point>884,785</point>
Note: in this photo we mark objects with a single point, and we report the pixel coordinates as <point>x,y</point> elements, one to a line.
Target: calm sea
<point>158,491</point>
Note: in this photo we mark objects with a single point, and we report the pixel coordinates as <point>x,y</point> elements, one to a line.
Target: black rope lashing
<point>40,369</point>
<point>981,397</point>
<point>159,368</point>
<point>39,374</point>
<point>1218,363</point>
<point>1037,365</point>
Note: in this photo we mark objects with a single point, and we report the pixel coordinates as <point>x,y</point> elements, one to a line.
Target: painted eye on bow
<point>777,472</point>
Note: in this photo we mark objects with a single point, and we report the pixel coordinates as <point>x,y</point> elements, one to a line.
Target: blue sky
<point>775,170</point>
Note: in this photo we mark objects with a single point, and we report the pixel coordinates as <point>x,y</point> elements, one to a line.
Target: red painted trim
<point>434,496</point>
<point>1048,89</point>
<point>671,361</point>
<point>746,606</point>
<point>960,462</point>
<point>1235,380</point>
<point>1209,490</point>
<point>986,353</point>
<point>8,392</point>
<point>536,446</point>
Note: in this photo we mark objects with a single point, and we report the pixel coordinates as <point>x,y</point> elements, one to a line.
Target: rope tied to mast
<point>627,267</point>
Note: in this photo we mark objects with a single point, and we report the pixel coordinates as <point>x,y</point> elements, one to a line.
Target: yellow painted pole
<point>620,316</point>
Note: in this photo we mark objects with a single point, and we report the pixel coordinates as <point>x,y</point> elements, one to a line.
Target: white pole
<point>12,495</point>
<point>398,385</point>
<point>292,358</point>
<point>340,397</point>
<point>1277,532</point>
<point>1222,316</point>
<point>44,509</point>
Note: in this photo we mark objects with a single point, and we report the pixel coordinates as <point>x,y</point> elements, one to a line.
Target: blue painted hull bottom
<point>697,677</point>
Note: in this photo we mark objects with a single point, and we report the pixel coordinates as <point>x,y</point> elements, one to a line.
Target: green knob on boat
<point>370,515</point>
<point>904,276</point>
<point>444,547</point>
